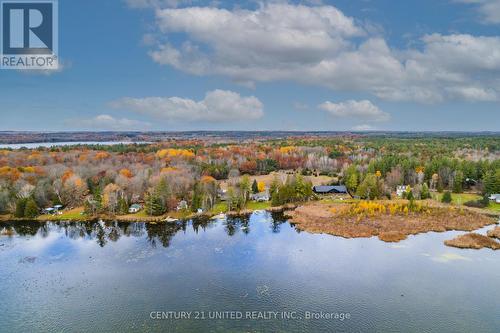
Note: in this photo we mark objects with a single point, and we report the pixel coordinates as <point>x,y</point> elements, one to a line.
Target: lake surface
<point>97,277</point>
<point>62,144</point>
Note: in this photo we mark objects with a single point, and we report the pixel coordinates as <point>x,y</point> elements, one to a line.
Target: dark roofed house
<point>330,189</point>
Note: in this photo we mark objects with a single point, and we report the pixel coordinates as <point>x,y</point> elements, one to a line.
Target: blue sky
<point>311,65</point>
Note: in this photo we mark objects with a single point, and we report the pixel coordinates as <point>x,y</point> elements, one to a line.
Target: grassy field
<point>461,198</point>
<point>72,214</point>
<point>254,205</point>
<point>142,215</point>
<point>220,207</point>
<point>494,207</point>
<point>139,214</point>
<point>458,198</point>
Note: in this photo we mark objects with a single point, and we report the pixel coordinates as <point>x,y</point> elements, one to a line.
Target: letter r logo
<point>28,27</point>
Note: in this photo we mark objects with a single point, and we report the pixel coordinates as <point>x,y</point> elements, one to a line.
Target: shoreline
<point>146,219</point>
<point>337,219</point>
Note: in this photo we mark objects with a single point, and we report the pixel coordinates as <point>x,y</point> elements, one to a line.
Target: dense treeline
<point>186,173</point>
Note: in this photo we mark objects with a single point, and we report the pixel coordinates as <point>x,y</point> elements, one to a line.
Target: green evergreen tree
<point>20,207</point>
<point>447,197</point>
<point>235,200</point>
<point>255,186</point>
<point>30,209</point>
<point>440,187</point>
<point>458,182</point>
<point>197,200</point>
<point>425,194</point>
<point>122,206</point>
<point>369,187</point>
<point>351,178</point>
<point>94,205</point>
<point>4,200</point>
<point>485,201</point>
<point>97,200</point>
<point>274,187</point>
<point>153,204</point>
<point>163,192</point>
<point>410,196</point>
<point>245,188</point>
<point>491,182</point>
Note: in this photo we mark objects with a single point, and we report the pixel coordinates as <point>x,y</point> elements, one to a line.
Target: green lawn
<point>72,214</point>
<point>494,207</point>
<point>254,205</point>
<point>219,207</point>
<point>461,198</point>
<point>458,198</point>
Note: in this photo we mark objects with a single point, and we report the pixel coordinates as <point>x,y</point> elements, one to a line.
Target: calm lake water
<point>97,277</point>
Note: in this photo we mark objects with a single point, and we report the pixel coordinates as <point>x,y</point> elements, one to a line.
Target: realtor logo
<point>29,34</point>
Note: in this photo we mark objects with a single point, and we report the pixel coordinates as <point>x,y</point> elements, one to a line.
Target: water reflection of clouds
<point>271,265</point>
<point>38,244</point>
<point>448,257</point>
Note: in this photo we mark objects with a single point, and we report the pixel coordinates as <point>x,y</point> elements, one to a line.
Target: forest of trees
<point>108,179</point>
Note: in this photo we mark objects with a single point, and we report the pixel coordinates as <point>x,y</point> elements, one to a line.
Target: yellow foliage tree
<point>287,149</point>
<point>168,169</point>
<point>261,186</point>
<point>174,153</point>
<point>207,179</point>
<point>126,173</point>
<point>101,155</point>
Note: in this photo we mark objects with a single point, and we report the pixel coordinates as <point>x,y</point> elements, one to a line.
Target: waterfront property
<point>52,210</point>
<point>260,197</point>
<point>135,208</point>
<point>330,189</point>
<point>183,205</point>
<point>48,210</point>
<point>495,198</point>
<point>402,189</point>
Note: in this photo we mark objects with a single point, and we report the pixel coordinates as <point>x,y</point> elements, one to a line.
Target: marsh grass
<point>391,221</point>
<point>473,241</point>
<point>494,233</point>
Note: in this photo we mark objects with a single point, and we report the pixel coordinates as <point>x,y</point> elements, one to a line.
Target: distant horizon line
<point>246,131</point>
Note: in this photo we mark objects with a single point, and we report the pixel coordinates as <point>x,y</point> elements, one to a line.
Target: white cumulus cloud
<point>488,9</point>
<point>319,45</point>
<point>217,106</point>
<point>107,122</point>
<point>364,109</point>
<point>363,127</point>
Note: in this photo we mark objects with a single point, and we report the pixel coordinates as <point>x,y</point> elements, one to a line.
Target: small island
<point>473,241</point>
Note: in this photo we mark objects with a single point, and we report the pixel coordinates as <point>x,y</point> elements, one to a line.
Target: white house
<point>401,189</point>
<point>222,195</point>
<point>135,208</point>
<point>260,197</point>
<point>49,210</point>
<point>182,205</point>
<point>495,197</point>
